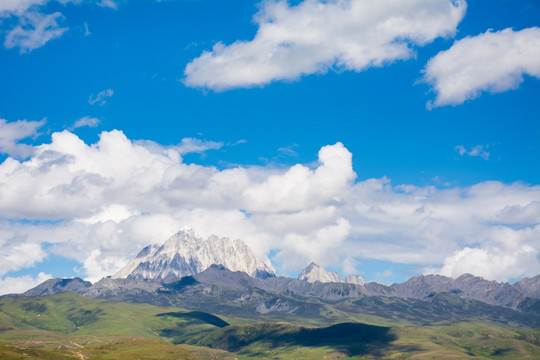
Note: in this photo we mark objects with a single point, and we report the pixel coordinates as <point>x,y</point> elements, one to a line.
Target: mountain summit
<point>315,272</point>
<point>187,253</point>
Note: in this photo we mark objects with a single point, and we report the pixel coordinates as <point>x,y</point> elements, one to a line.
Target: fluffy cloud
<point>315,36</point>
<point>11,133</point>
<point>17,285</point>
<point>515,254</point>
<point>492,62</point>
<point>101,203</point>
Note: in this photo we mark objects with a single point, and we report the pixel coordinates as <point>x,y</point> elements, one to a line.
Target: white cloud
<point>478,150</point>
<point>315,36</point>
<point>101,203</point>
<point>18,7</point>
<point>192,145</point>
<point>34,27</point>
<point>34,31</point>
<point>101,97</point>
<point>490,62</point>
<point>113,4</point>
<point>18,253</point>
<point>17,285</point>
<point>86,121</point>
<point>12,132</point>
<point>493,263</point>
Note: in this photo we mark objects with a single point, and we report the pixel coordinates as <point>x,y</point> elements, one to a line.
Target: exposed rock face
<point>530,287</point>
<point>187,253</point>
<point>315,272</point>
<point>53,286</point>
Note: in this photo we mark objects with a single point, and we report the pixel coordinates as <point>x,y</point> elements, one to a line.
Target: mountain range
<point>216,294</point>
<point>186,261</point>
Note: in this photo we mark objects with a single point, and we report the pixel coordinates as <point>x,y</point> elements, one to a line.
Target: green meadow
<point>69,326</point>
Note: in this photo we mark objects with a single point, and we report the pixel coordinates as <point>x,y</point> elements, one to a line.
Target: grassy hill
<point>69,326</point>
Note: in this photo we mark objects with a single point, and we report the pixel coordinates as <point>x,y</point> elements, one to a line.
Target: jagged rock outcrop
<point>187,253</point>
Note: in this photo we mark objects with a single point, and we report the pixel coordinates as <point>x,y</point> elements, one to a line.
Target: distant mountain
<point>468,286</point>
<point>53,286</point>
<point>315,272</point>
<point>221,291</point>
<point>530,287</point>
<point>224,276</point>
<point>187,253</point>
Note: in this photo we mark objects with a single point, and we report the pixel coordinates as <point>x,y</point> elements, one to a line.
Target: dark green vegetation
<point>69,326</point>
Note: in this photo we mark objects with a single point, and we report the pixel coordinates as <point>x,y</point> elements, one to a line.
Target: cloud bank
<point>99,204</point>
<point>490,62</point>
<point>12,132</point>
<point>315,36</point>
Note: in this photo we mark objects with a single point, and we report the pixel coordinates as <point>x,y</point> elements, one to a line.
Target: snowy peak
<point>315,272</point>
<point>355,279</point>
<point>187,253</point>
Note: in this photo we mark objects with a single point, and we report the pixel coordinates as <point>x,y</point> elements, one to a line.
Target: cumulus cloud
<point>101,97</point>
<point>17,285</point>
<point>478,150</point>
<point>12,132</point>
<point>501,263</point>
<point>101,203</point>
<point>490,62</point>
<point>315,36</point>
<point>17,253</point>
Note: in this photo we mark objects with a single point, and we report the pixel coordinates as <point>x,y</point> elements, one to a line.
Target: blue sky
<point>385,140</point>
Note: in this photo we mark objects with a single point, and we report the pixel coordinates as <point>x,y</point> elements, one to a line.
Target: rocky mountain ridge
<point>186,259</point>
<point>421,287</point>
<point>234,293</point>
<point>187,253</point>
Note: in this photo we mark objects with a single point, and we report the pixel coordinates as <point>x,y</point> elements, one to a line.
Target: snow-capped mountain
<point>187,253</point>
<point>315,272</point>
<point>355,279</point>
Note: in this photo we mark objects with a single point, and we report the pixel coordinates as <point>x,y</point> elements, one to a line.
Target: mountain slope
<point>187,253</point>
<point>53,286</point>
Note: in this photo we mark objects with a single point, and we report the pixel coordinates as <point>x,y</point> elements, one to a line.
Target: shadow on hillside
<point>351,338</point>
<point>198,316</point>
